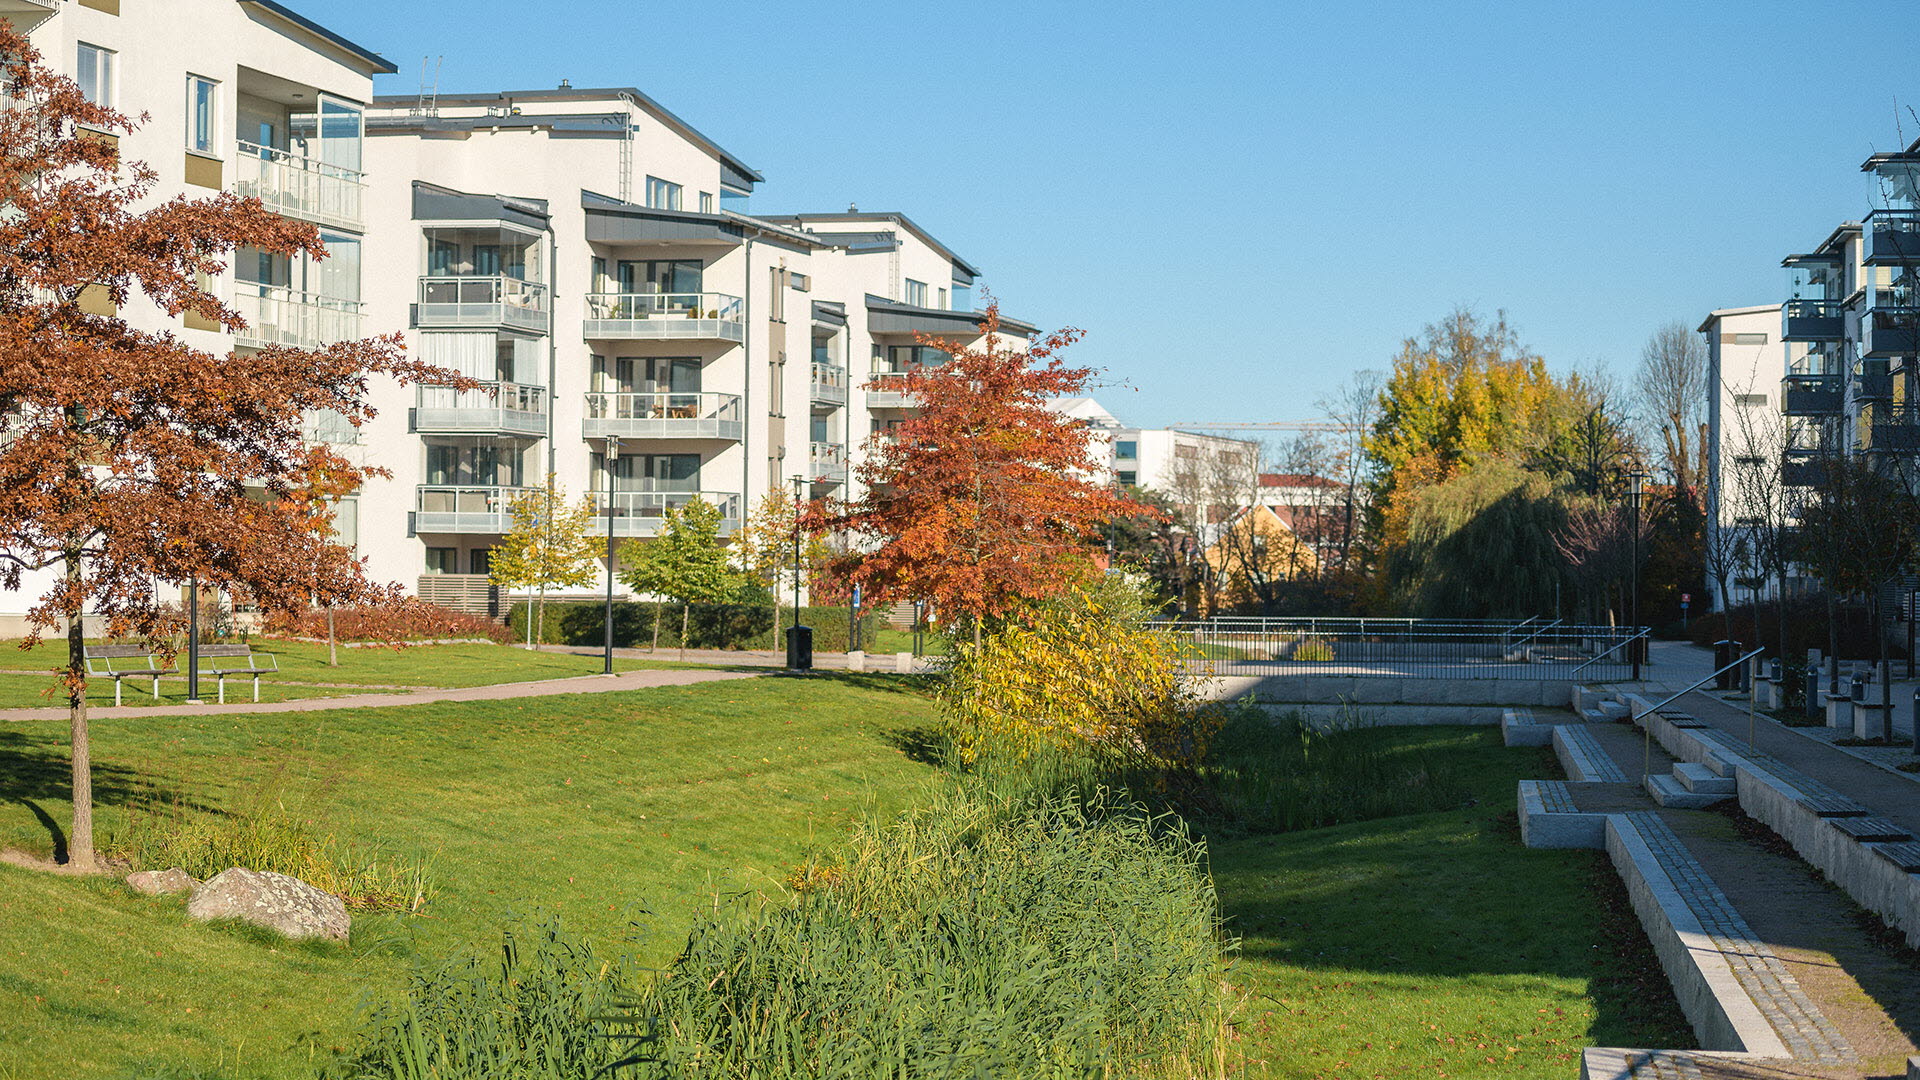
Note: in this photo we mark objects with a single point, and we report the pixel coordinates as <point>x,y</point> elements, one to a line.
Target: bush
<point>967,939</point>
<point>709,626</point>
<point>1314,651</point>
<point>410,619</point>
<point>1079,679</point>
<point>533,1011</point>
<point>1806,629</point>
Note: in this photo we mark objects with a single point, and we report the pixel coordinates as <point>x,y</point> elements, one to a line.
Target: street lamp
<point>1636,480</point>
<point>799,489</point>
<point>613,455</point>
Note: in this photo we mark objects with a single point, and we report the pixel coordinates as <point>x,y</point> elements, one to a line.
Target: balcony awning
<point>610,221</point>
<point>829,313</point>
<point>891,317</point>
<point>434,203</point>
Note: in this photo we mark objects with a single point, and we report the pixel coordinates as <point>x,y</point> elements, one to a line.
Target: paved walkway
<point>584,684</point>
<point>756,658</point>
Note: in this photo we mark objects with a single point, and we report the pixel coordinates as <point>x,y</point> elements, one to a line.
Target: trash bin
<point>799,648</point>
<point>1724,653</point>
<point>1776,671</point>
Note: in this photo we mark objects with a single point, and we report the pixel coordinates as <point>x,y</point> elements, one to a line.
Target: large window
<point>94,73</point>
<point>660,275</point>
<point>1126,449</point>
<point>662,195</point>
<point>706,202</point>
<point>908,357</point>
<point>650,472</point>
<point>916,293</point>
<point>203,115</point>
<point>962,297</point>
<point>443,560</point>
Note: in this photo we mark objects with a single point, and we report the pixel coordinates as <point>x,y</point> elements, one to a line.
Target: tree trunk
<point>684,609</point>
<point>333,642</point>
<point>80,839</point>
<point>655,647</point>
<point>540,616</point>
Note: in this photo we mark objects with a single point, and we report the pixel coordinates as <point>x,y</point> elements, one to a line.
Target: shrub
<point>966,939</point>
<point>532,1011</point>
<point>1314,651</point>
<point>1079,680</point>
<point>410,619</point>
<point>1807,628</point>
<point>709,626</point>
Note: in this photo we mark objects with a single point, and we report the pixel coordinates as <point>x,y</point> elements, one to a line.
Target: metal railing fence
<point>1411,648</point>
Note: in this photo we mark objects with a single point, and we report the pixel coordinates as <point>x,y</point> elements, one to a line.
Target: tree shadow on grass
<point>38,768</point>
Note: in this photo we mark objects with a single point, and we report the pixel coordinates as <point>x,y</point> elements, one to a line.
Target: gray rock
<point>161,882</point>
<point>280,903</point>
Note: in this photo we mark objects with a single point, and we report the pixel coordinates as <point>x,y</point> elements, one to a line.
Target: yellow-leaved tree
<point>548,546</point>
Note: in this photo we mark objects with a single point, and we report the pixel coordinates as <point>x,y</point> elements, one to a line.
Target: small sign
<point>1686,598</point>
<point>856,596</point>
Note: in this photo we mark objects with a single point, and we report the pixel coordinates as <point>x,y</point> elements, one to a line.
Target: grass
<point>1434,944</point>
<point>593,807</point>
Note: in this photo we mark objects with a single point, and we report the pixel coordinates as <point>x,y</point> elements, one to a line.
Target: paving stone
<point>1584,758</point>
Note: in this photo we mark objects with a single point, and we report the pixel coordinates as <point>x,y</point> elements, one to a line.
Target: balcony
<point>829,385</point>
<point>1812,320</point>
<point>483,302</point>
<point>302,320</point>
<point>297,186</point>
<point>664,416</point>
<point>641,513</point>
<point>1802,474</point>
<point>1890,325</point>
<point>450,509</point>
<point>1891,237</point>
<point>827,463</point>
<point>1811,395</point>
<point>886,390</point>
<point>492,408</point>
<point>666,317</point>
<point>328,426</point>
<point>1888,428</point>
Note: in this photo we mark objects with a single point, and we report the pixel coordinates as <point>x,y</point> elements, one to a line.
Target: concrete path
<point>757,658</point>
<point>584,684</point>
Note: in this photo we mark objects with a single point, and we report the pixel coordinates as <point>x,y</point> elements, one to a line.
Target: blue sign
<point>856,596</point>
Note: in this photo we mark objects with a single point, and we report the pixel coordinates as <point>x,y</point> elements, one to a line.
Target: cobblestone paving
<point>1665,1065</point>
<point>1592,760</point>
<point>1554,797</point>
<point>1808,1034</point>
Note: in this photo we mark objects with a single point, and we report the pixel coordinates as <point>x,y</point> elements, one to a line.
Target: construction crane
<point>1258,425</point>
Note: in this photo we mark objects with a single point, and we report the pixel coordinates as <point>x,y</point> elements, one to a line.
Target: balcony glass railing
<point>827,462</point>
<point>692,415</point>
<point>677,316</point>
<point>1812,320</point>
<point>641,513</point>
<point>887,390</point>
<point>1892,237</point>
<point>1884,426</point>
<point>491,408</point>
<point>277,316</point>
<point>299,186</point>
<point>465,509</point>
<point>497,300</point>
<point>830,384</point>
<point>1890,325</point>
<point>1811,395</point>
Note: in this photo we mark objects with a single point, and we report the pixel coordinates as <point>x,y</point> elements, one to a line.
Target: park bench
<point>120,662</point>
<point>225,662</point>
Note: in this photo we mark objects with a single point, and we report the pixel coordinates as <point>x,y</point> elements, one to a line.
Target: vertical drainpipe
<point>553,346</point>
<point>746,384</point>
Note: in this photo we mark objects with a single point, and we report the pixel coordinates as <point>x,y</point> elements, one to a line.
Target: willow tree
<point>128,457</point>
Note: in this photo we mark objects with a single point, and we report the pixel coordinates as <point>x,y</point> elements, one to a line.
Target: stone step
<point>1702,780</point>
<point>1519,728</point>
<point>1613,710</point>
<point>1668,792</point>
<point>1583,758</point>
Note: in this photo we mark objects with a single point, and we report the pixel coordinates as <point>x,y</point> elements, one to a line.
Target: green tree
<point>548,544</point>
<point>764,548</point>
<point>686,563</point>
<point>1482,545</point>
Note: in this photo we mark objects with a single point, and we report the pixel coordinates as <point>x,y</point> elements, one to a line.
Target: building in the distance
<point>1747,436</point>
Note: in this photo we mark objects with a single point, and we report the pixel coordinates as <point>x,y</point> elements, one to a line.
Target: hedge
<point>709,626</point>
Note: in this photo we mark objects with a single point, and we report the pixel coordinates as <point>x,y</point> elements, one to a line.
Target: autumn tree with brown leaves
<point>128,458</point>
<point>986,499</point>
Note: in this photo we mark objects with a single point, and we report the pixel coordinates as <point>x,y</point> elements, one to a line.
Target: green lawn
<point>1434,944</point>
<point>592,805</point>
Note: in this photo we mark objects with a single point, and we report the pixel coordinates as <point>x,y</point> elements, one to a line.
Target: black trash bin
<point>1724,653</point>
<point>799,648</point>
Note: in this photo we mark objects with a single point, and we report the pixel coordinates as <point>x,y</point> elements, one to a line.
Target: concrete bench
<point>122,662</point>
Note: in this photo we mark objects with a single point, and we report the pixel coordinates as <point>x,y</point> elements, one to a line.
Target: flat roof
<point>380,64</point>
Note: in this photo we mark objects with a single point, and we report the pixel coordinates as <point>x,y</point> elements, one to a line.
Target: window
<point>443,257</point>
<point>203,115</point>
<point>1129,478</point>
<point>661,195</point>
<point>962,297</point>
<point>443,560</point>
<point>94,73</point>
<point>1750,401</point>
<point>1749,461</point>
<point>480,560</point>
<point>1126,448</point>
<point>942,304</point>
<point>916,293</point>
<point>908,357</point>
<point>776,382</point>
<point>706,202</point>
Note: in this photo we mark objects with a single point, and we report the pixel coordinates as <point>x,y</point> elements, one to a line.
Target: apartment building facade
<point>1746,436</point>
<point>586,254</point>
<point>245,96</point>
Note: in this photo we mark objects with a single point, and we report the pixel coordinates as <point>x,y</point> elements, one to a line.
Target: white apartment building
<point>585,253</point>
<point>242,95</point>
<point>1746,435</point>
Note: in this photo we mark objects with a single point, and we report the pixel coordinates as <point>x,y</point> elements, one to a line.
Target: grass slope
<point>1434,944</point>
<point>588,805</point>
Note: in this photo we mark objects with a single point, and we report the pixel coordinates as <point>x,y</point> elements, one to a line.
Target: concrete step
<point>1613,710</point>
<point>1519,728</point>
<point>1668,792</point>
<point>1701,780</point>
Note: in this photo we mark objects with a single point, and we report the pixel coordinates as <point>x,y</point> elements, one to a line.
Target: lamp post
<point>193,639</point>
<point>613,456</point>
<point>799,488</point>
<point>1636,489</point>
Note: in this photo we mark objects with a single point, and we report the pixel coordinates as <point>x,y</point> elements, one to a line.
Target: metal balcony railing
<point>279,316</point>
<point>492,408</point>
<point>641,513</point>
<point>829,384</point>
<point>496,300</point>
<point>1890,324</point>
<point>887,390</point>
<point>299,186</point>
<point>827,463</point>
<point>702,316</point>
<point>664,416</point>
<point>1811,395</point>
<point>1892,237</point>
<point>465,509</point>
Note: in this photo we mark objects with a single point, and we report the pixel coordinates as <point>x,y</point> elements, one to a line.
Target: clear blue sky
<point>1242,203</point>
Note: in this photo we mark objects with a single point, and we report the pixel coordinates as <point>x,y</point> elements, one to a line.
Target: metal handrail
<point>1646,749</point>
<point>1644,631</point>
<point>1543,629</point>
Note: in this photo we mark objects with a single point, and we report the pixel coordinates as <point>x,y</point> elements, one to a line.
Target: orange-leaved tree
<point>985,500</point>
<point>128,458</point>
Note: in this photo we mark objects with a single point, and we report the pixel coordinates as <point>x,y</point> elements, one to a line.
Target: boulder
<point>280,903</point>
<point>161,882</point>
